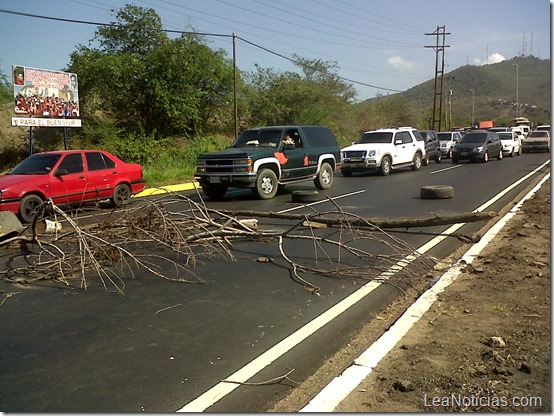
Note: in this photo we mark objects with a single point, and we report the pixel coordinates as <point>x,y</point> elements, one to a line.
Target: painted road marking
<point>340,387</point>
<point>220,390</point>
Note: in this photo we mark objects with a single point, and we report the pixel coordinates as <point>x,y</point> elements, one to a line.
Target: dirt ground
<point>484,346</point>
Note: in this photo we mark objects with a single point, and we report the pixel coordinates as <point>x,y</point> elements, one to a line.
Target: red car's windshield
<point>36,165</point>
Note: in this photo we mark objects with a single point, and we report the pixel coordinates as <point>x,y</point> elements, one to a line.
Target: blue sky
<point>375,42</point>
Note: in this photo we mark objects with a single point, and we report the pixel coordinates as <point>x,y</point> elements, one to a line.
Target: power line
<point>85,22</point>
<point>193,33</point>
<point>296,62</point>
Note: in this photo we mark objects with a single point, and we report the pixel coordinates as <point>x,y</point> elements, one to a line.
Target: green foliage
<point>6,92</point>
<point>494,92</point>
<point>174,164</point>
<point>136,31</point>
<point>149,83</point>
<point>136,147</point>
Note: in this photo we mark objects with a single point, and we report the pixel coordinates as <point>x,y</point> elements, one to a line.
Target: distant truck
<point>486,124</point>
<point>261,159</point>
<point>523,123</point>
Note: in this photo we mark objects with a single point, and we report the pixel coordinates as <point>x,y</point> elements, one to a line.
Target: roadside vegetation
<point>161,101</point>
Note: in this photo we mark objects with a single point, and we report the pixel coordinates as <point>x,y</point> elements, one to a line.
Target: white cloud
<point>492,59</point>
<point>399,62</point>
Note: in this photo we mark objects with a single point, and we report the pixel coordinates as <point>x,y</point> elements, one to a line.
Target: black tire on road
<point>305,197</point>
<point>214,192</point>
<point>500,156</point>
<point>346,173</point>
<point>426,160</point>
<point>438,159</point>
<point>266,184</point>
<point>436,192</point>
<point>324,179</point>
<point>29,207</point>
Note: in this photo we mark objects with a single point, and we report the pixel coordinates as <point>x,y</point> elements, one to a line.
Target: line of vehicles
<point>260,159</point>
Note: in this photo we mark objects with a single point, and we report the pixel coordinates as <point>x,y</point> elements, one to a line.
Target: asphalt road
<point>166,346</point>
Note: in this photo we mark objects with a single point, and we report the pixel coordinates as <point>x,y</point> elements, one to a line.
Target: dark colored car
<point>432,146</point>
<point>478,145</point>
<point>69,178</point>
<point>262,160</point>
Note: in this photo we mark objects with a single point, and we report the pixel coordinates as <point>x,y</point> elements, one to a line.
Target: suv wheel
<point>439,157</point>
<point>486,157</point>
<point>416,164</point>
<point>384,169</point>
<point>426,160</point>
<point>266,184</point>
<point>214,192</point>
<point>324,179</point>
<point>500,155</point>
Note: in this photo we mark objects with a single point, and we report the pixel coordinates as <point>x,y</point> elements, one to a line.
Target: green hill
<point>494,88</point>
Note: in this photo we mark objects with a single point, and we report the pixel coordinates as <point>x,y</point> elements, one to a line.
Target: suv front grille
<point>354,153</point>
<point>219,165</point>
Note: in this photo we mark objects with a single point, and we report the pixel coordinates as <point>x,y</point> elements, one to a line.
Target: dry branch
<point>383,223</point>
<point>170,244</point>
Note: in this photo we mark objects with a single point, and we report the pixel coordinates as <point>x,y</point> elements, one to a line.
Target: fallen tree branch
<point>147,235</point>
<point>383,223</point>
<point>275,380</point>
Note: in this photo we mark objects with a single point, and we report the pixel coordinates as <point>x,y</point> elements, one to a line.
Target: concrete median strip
<point>340,387</point>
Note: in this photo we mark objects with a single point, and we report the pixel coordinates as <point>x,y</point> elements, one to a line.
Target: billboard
<point>45,98</point>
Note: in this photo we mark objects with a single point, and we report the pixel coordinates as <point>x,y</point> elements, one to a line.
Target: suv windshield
<point>36,164</point>
<point>474,138</point>
<point>266,137</point>
<point>445,137</point>
<point>376,137</point>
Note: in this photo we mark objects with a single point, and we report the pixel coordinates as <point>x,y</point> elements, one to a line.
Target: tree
<point>5,91</point>
<point>316,97</point>
<point>148,83</point>
<point>136,32</point>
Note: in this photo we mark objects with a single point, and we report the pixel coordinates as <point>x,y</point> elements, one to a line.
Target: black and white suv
<point>383,150</point>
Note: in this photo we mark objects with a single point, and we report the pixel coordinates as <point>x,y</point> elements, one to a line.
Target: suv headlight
<point>372,153</point>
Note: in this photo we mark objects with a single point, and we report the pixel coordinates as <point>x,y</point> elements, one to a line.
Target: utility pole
<point>517,89</point>
<point>235,101</point>
<point>439,75</point>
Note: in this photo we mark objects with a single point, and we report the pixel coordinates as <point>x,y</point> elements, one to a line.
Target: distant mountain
<point>494,93</point>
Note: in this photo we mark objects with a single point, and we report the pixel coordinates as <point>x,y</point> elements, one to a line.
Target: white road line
<point>340,387</point>
<point>445,169</point>
<point>220,390</point>
<point>321,202</point>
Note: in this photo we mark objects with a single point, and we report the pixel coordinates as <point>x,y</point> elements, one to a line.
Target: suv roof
<point>392,129</point>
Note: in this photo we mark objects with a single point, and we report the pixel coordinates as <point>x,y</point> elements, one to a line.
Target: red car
<point>69,178</point>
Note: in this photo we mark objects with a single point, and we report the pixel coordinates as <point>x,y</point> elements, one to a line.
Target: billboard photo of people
<point>46,94</point>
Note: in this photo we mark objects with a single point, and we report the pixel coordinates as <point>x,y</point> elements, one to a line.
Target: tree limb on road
<point>383,223</point>
<point>147,235</point>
